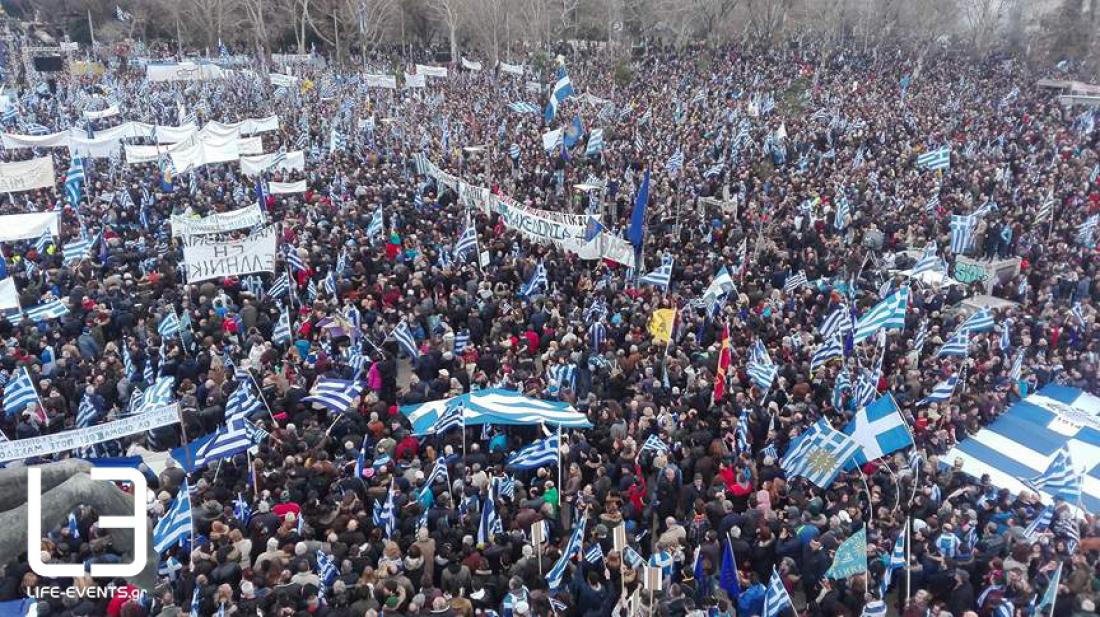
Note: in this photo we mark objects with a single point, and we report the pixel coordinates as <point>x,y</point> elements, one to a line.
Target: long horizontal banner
<point>431,71</point>
<point>26,175</point>
<point>255,253</point>
<point>281,188</point>
<point>184,71</point>
<point>381,81</point>
<point>28,225</point>
<point>256,165</point>
<point>221,222</point>
<point>147,420</point>
<point>112,110</point>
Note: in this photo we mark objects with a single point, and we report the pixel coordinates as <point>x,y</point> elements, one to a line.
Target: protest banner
<point>243,218</point>
<point>256,253</point>
<point>26,175</point>
<point>148,419</point>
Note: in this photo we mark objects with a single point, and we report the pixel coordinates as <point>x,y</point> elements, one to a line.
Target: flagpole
<point>867,524</point>
<point>262,397</point>
<point>908,557</point>
<point>560,508</point>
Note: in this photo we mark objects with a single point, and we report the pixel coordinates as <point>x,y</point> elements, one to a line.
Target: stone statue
<point>65,485</point>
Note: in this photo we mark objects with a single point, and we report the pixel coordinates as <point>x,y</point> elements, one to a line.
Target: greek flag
<point>337,141</point>
<point>1078,313</point>
<point>980,321</point>
<point>87,413</point>
<point>896,560</point>
<point>561,90</point>
<point>890,313</point>
<point>74,180</point>
<point>776,597</point>
<point>521,107</point>
<point>1087,229</point>
<point>929,262</point>
<point>819,454</point>
<point>439,472</point>
<point>537,282</point>
<point>941,391</point>
<point>376,225</point>
<point>675,162</point>
<point>33,128</point>
<point>594,554</point>
<point>452,417</point>
<point>336,395</point>
<point>715,170</point>
<point>878,429</point>
<point>595,143</point>
<point>1040,524</point>
<point>662,276</point>
<point>294,260</point>
<point>385,515</point>
<point>19,392</point>
<point>77,250</point>
<point>828,350</point>
<point>843,211</point>
<point>242,403</point>
<point>538,454</point>
<point>241,510</point>
<point>44,241</point>
<point>762,372</point>
<point>176,523</point>
<point>1046,209</point>
<point>467,242</point>
<point>279,287</point>
<point>490,522</point>
<point>227,443</point>
<point>514,151</point>
<point>49,310</point>
<point>842,384</point>
<point>957,345</point>
<point>962,233</point>
<point>597,332</point>
<point>874,608</point>
<point>921,336</point>
<point>837,323</point>
<point>556,575</point>
<point>932,203</point>
<point>405,341</point>
<point>795,281</point>
<point>281,333</point>
<point>718,289</point>
<point>160,393</point>
<point>1060,477</point>
<point>935,159</point>
<point>655,444</point>
<point>169,326</point>
<point>326,568</point>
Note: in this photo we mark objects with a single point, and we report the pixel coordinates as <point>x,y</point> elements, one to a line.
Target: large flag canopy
<point>1020,445</point>
<point>497,406</point>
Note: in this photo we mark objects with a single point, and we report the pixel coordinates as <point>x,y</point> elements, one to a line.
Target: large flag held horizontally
<point>819,454</point>
<point>878,429</point>
<point>851,556</point>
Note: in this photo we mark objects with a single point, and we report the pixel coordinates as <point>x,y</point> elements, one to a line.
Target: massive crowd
<point>795,132</point>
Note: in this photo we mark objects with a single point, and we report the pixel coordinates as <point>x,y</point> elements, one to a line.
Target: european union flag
<point>727,577</point>
<point>637,218</point>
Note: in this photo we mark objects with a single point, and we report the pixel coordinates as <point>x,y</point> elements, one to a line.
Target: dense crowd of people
<point>773,142</point>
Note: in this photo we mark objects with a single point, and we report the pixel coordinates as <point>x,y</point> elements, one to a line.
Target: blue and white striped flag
<point>281,334</point>
<point>19,392</point>
<point>929,261</point>
<point>595,142</point>
<point>939,158</point>
<point>336,395</point>
<point>653,443</point>
<point>537,282</point>
<point>53,309</point>
<point>980,321</point>
<point>794,282</point>
<point>74,180</point>
<point>819,454</point>
<point>556,575</point>
<point>890,314</point>
<point>77,250</point>
<point>376,225</point>
<point>86,414</point>
<point>594,555</point>
<point>405,340</point>
<point>662,276</point>
<point>538,454</point>
<point>175,525</point>
<point>962,233</point>
<point>838,323</point>
<point>843,212</point>
<point>776,597</point>
<point>675,162</point>
<point>942,391</point>
<point>957,345</point>
<point>1061,478</point>
<point>828,350</point>
<point>467,242</point>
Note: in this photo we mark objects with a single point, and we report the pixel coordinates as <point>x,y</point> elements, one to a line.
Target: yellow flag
<point>660,324</point>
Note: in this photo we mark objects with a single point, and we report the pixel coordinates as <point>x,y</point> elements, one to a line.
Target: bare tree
<point>766,18</point>
<point>450,12</point>
<point>982,20</point>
